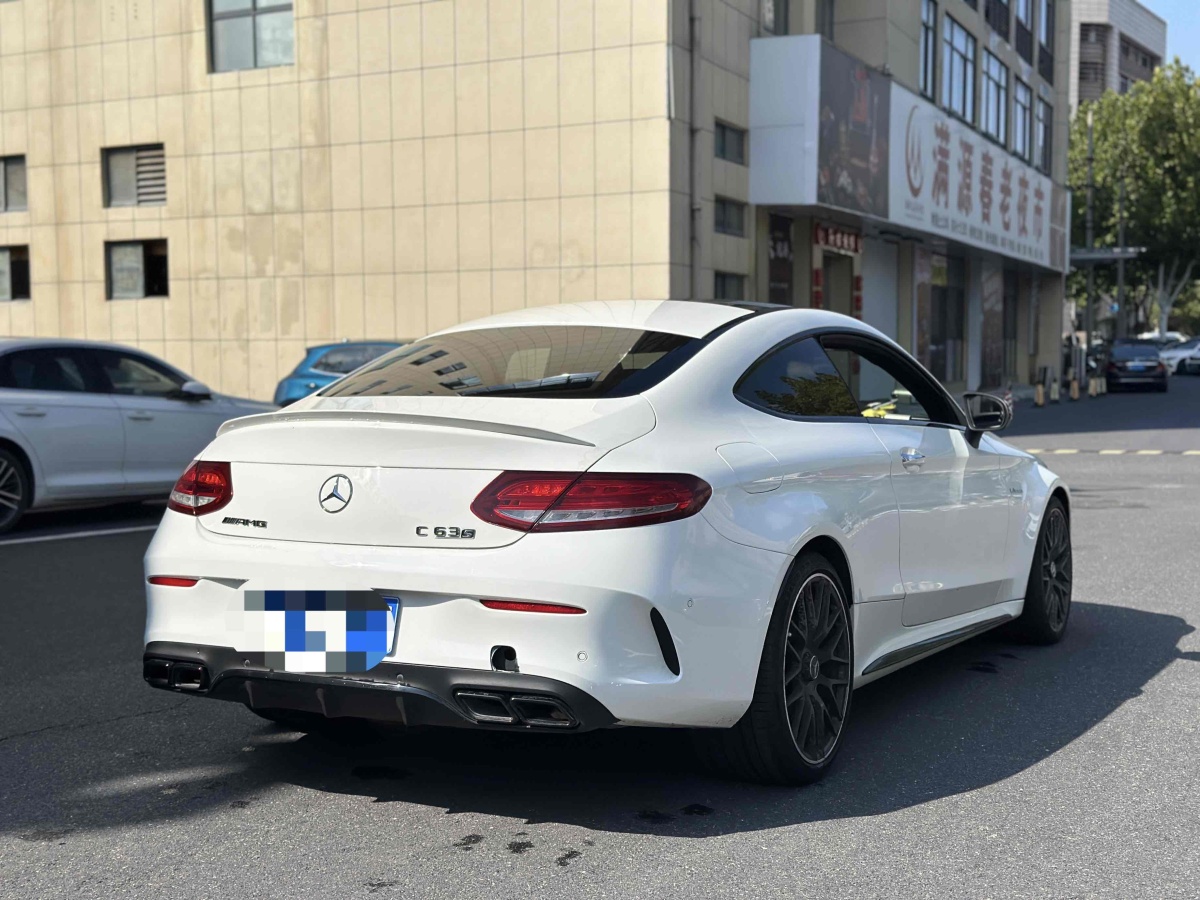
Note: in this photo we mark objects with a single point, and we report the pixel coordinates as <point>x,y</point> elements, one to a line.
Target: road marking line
<point>1112,452</point>
<point>1064,452</point>
<point>76,534</point>
<point>1191,452</point>
<point>1038,450</point>
<point>1149,453</point>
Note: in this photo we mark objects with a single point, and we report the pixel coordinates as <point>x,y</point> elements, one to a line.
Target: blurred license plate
<point>321,631</point>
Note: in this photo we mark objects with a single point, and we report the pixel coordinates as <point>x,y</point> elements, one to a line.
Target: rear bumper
<point>714,597</point>
<point>1133,379</point>
<point>390,692</point>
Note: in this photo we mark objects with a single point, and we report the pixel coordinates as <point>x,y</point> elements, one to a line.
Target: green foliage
<point>1150,137</point>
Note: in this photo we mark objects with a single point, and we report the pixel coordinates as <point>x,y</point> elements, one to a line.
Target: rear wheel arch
<point>832,551</point>
<point>26,463</point>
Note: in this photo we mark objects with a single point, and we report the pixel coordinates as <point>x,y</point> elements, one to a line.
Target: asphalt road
<point>991,770</point>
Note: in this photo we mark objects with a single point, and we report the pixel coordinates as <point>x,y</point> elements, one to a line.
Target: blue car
<point>326,364</point>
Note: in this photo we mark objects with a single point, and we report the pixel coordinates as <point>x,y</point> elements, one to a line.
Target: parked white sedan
<point>84,423</point>
<point>1182,358</point>
<point>640,513</point>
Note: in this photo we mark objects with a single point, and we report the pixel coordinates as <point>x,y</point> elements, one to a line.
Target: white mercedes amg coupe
<point>718,517</point>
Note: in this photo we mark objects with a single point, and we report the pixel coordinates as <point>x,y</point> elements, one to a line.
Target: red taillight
<point>557,501</point>
<point>204,488</point>
<point>173,581</point>
<point>521,606</point>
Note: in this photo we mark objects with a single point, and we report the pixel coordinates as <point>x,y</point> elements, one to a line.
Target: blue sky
<point>1183,29</point>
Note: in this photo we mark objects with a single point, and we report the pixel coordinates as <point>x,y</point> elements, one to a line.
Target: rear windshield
<point>568,361</point>
<point>1134,351</point>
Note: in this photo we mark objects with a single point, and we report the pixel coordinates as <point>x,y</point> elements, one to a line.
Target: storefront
<point>919,225</point>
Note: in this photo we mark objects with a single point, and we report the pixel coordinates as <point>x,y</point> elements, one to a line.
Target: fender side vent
<point>665,643</point>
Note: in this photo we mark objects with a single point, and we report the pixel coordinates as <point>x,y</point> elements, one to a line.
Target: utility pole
<point>1091,272</point>
<point>1122,318</point>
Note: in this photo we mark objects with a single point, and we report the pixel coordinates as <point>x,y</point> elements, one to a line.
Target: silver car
<point>84,423</point>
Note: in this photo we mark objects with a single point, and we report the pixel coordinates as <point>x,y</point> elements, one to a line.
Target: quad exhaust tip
<point>494,708</point>
<point>176,676</point>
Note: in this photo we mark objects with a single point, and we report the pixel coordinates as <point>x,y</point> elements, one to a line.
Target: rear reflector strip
<point>173,581</point>
<point>521,606</point>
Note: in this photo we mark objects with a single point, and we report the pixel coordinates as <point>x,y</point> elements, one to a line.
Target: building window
<point>929,13</point>
<point>1023,39</point>
<point>1043,136</point>
<point>730,217</point>
<point>14,273</point>
<point>825,19</point>
<point>775,16</point>
<point>995,98</point>
<point>729,143</point>
<point>251,34</point>
<point>996,14</point>
<point>136,269</point>
<point>958,70</point>
<point>1022,119</point>
<point>1024,13</point>
<point>1125,84</point>
<point>1046,31</point>
<point>729,286</point>
<point>13,197</point>
<point>135,176</point>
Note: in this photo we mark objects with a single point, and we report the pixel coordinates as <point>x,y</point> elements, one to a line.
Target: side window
<point>797,380</point>
<point>885,386</point>
<point>45,369</point>
<point>136,375</point>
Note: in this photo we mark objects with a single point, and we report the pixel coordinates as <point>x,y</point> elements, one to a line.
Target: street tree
<point>1148,138</point>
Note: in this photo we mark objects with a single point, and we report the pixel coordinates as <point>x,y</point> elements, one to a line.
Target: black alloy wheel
<point>793,728</point>
<point>816,676</point>
<point>14,490</point>
<point>1048,593</point>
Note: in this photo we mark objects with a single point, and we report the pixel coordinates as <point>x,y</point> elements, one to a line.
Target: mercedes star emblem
<point>335,494</point>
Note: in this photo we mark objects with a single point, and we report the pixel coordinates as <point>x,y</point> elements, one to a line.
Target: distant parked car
<point>1136,364</point>
<point>1183,358</point>
<point>84,423</point>
<point>1163,340</point>
<point>325,364</point>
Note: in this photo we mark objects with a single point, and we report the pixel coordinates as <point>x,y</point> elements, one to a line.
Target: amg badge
<point>246,523</point>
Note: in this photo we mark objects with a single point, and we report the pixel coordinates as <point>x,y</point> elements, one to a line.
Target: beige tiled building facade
<point>226,182</point>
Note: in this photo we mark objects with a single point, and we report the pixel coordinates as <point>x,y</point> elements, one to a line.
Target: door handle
<point>141,417</point>
<point>912,460</point>
<point>32,412</point>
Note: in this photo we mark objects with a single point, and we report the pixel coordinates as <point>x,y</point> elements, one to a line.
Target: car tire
<point>15,490</point>
<point>794,727</point>
<point>1048,591</point>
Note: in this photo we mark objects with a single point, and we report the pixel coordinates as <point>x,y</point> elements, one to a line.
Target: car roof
<point>382,342</point>
<point>683,317</point>
<point>27,343</point>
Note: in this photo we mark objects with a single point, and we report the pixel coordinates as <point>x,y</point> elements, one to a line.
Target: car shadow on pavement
<point>970,717</point>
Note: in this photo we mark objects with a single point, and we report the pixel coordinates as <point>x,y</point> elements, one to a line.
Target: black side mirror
<point>987,412</point>
<point>193,392</point>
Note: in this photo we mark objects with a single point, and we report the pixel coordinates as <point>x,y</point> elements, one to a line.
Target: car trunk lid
<point>403,471</point>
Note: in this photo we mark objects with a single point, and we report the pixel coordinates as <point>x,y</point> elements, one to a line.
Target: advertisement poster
<point>852,155</point>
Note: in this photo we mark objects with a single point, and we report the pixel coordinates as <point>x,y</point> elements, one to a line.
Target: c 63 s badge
<point>445,532</point>
<point>245,523</point>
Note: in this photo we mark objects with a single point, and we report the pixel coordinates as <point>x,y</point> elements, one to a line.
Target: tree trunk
<point>1164,311</point>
